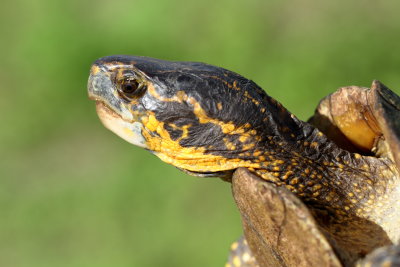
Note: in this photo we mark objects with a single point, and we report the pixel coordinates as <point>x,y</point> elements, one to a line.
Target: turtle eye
<point>131,88</point>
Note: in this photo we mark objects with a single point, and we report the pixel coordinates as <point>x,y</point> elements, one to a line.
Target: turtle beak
<point>91,89</point>
<point>93,82</point>
<point>101,89</point>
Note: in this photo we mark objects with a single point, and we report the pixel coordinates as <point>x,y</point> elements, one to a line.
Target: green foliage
<point>73,194</point>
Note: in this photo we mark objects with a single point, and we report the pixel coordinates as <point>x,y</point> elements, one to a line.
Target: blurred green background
<point>74,194</point>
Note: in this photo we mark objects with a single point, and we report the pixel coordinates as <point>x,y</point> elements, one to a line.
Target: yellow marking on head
<point>235,86</point>
<point>229,145</point>
<point>185,132</point>
<point>180,96</point>
<point>203,118</point>
<point>159,141</point>
<point>152,123</point>
<point>94,69</point>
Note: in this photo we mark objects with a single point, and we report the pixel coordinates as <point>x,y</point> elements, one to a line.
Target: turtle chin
<point>127,130</point>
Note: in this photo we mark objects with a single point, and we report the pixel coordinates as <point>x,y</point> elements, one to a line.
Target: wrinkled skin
<point>209,121</point>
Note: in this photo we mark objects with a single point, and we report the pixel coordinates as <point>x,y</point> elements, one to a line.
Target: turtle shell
<point>279,228</point>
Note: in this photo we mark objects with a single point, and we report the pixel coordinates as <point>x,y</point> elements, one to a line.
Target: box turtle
<point>319,193</point>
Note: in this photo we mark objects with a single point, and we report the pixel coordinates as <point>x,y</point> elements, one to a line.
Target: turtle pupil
<point>130,87</point>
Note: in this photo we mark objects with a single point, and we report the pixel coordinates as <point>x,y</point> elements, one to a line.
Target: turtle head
<point>198,117</point>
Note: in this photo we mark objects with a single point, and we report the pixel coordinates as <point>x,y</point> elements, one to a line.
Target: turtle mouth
<point>130,131</point>
<point>104,111</point>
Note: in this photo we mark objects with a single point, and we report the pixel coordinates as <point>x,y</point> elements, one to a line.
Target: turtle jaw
<point>129,131</point>
<point>112,111</point>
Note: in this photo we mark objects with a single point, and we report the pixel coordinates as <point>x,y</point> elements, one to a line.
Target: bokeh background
<point>74,194</point>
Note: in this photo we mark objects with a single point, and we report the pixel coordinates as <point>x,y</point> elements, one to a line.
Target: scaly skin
<point>210,121</point>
